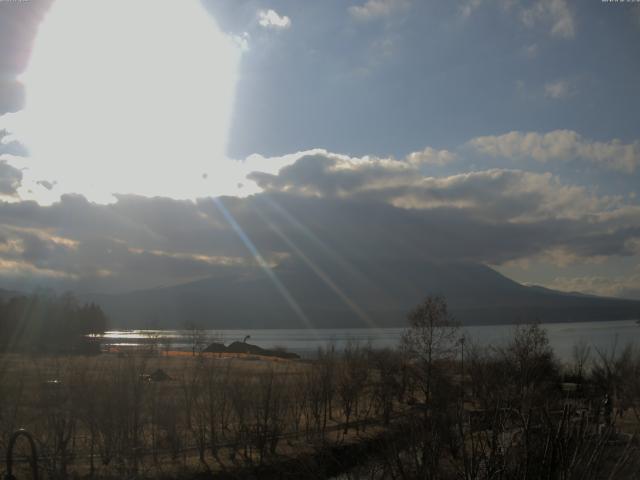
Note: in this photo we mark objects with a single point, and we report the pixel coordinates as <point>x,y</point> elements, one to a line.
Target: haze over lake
<point>562,336</point>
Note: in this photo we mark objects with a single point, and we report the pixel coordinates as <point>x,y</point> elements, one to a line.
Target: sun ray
<point>320,273</point>
<point>271,275</point>
<point>309,234</point>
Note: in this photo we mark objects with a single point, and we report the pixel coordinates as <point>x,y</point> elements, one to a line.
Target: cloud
<point>328,206</point>
<point>430,156</point>
<point>10,179</point>
<point>144,242</point>
<point>470,6</point>
<point>11,95</point>
<point>353,167</point>
<point>46,184</point>
<point>128,239</point>
<point>555,13</point>
<point>531,50</point>
<point>616,286</point>
<point>242,40</point>
<point>537,213</point>
<point>18,269</point>
<point>552,14</point>
<point>271,19</point>
<point>374,9</point>
<point>10,146</point>
<point>495,195</point>
<point>325,174</point>
<point>558,90</point>
<point>560,145</point>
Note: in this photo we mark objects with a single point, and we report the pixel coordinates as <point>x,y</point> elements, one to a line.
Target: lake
<point>305,342</point>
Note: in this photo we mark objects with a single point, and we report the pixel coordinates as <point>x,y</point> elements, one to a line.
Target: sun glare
<point>128,97</point>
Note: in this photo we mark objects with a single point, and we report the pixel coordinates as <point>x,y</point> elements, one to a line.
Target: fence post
<point>34,454</point>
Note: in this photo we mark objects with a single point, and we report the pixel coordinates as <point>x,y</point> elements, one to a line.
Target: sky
<point>153,143</point>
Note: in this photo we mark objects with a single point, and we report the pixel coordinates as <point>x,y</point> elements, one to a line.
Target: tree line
<point>49,323</point>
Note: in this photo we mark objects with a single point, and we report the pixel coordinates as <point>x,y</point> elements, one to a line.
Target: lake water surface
<point>305,342</point>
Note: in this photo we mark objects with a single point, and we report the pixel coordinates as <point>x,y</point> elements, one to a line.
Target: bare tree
<point>351,380</point>
<point>240,395</point>
<point>615,374</point>
<point>387,386</point>
<point>431,337</point>
<point>60,419</point>
<point>429,342</point>
<point>580,353</point>
<point>167,344</point>
<point>152,343</point>
<point>197,337</point>
<point>530,365</point>
<point>315,397</point>
<point>269,411</point>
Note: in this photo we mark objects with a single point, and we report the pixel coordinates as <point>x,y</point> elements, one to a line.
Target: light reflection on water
<point>305,342</point>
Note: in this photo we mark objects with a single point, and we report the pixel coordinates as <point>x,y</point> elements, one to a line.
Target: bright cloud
<point>468,7</point>
<point>560,145</point>
<point>271,19</point>
<point>10,179</point>
<point>373,9</point>
<point>430,156</point>
<point>558,89</point>
<point>555,13</point>
<point>618,286</point>
<point>498,195</point>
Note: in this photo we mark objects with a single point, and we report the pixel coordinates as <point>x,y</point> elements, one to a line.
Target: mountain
<point>360,294</point>
<point>7,294</point>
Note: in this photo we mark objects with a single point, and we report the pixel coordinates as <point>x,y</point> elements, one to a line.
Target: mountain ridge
<point>372,294</point>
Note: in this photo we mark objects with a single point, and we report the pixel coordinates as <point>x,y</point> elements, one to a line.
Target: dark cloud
<point>34,248</point>
<point>10,178</point>
<point>328,175</point>
<point>324,210</point>
<point>46,184</point>
<point>11,95</point>
<point>18,24</point>
<point>496,194</point>
<point>9,146</point>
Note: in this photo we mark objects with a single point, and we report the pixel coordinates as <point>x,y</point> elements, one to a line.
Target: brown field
<point>104,416</point>
<point>362,413</point>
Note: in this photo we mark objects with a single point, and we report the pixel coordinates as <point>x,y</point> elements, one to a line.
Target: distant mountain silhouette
<point>7,294</point>
<point>360,294</point>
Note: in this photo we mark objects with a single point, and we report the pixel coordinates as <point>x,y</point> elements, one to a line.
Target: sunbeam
<point>282,289</point>
<point>309,234</point>
<point>321,274</point>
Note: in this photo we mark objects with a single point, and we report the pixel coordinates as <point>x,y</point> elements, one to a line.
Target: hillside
<point>365,294</point>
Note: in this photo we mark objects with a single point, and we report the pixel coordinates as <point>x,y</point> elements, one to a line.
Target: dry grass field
<point>361,413</point>
<point>130,413</point>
